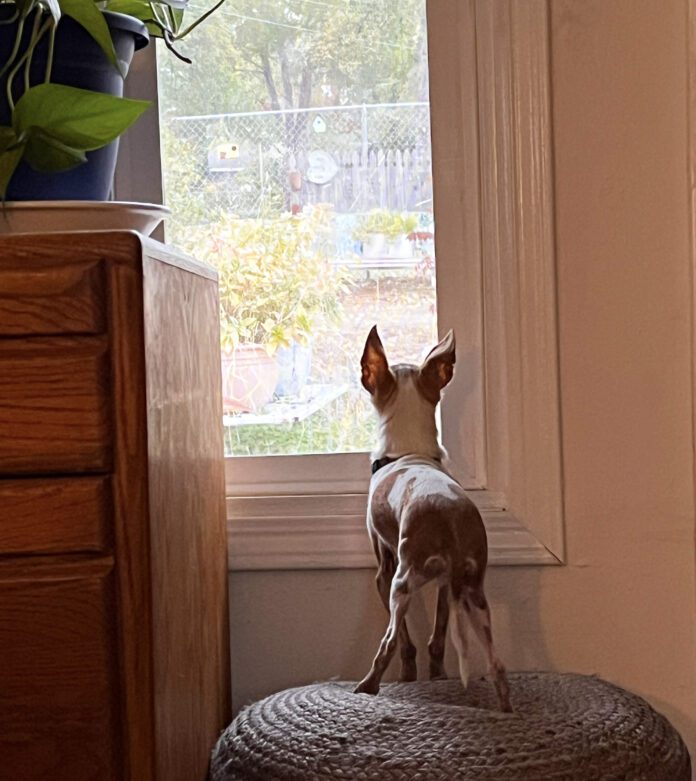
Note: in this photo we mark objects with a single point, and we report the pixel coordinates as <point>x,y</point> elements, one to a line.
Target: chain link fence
<point>357,158</point>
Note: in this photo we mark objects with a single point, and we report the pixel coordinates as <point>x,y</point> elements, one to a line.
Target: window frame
<point>495,286</point>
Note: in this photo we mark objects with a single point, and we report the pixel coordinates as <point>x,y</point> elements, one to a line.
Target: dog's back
<point>416,504</point>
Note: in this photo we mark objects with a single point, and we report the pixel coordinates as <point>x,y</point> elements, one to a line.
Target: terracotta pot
<point>249,377</point>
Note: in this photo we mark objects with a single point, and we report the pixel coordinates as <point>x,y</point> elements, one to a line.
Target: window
<point>492,190</point>
<point>296,159</point>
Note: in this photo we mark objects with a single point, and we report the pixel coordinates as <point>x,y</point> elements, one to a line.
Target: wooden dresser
<point>113,578</point>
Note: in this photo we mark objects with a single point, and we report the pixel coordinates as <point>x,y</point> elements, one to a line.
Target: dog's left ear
<point>438,368</point>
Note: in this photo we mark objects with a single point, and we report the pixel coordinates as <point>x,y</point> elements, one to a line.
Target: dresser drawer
<point>59,673</point>
<point>55,515</point>
<point>52,298</point>
<point>54,405</point>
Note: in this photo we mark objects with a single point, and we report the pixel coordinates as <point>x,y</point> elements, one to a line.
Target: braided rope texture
<point>565,727</point>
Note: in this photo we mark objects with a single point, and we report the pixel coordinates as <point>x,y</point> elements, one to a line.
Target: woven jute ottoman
<point>570,727</point>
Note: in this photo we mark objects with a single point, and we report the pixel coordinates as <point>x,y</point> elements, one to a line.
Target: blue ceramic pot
<point>91,70</point>
<point>294,368</point>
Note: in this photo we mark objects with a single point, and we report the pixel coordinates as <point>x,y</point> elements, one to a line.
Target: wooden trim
<point>521,353</point>
<point>457,206</point>
<point>691,162</point>
<point>130,493</point>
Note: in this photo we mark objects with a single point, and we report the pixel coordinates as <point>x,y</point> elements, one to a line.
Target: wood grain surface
<point>58,672</point>
<point>54,405</point>
<point>52,298</point>
<point>187,518</point>
<point>55,515</point>
<point>114,660</point>
<point>131,510</point>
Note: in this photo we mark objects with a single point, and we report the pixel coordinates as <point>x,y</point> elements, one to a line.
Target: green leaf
<point>79,118</point>
<point>7,138</point>
<point>48,155</point>
<point>170,16</point>
<point>9,161</point>
<point>86,13</point>
<point>140,9</point>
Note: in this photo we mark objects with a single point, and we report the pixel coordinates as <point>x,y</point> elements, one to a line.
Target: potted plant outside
<point>62,67</point>
<point>275,282</point>
<point>385,233</point>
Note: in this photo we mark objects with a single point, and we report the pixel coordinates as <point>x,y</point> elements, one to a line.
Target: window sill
<point>322,531</point>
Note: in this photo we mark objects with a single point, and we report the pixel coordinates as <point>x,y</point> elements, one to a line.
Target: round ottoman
<point>570,727</point>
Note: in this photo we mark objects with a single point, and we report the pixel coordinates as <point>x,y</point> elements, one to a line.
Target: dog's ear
<point>376,376</point>
<point>438,368</point>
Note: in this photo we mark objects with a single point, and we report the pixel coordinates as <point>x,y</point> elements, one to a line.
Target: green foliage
<point>385,222</point>
<point>346,425</point>
<point>53,126</point>
<point>275,278</point>
<point>275,54</point>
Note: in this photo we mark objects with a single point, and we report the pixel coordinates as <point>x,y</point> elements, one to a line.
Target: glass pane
<point>296,157</point>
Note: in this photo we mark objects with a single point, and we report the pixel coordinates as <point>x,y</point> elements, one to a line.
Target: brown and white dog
<point>422,525</point>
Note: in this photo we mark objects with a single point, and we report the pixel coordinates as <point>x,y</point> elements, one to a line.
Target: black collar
<point>380,462</point>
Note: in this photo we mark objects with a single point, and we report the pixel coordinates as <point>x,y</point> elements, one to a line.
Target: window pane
<point>296,157</point>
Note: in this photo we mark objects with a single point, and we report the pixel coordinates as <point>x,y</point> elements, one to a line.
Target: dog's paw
<point>366,687</point>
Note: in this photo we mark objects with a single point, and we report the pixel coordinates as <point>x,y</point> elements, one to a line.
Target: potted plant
<point>276,281</point>
<point>62,67</point>
<point>384,233</point>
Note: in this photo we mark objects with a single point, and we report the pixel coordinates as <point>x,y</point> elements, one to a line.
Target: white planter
<point>375,246</point>
<point>401,248</point>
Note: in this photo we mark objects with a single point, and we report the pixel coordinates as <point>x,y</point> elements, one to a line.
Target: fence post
<point>364,135</point>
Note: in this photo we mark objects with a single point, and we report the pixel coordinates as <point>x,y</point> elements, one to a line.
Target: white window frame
<point>493,191</point>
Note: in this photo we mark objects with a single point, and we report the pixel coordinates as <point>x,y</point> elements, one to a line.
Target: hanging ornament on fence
<point>322,167</point>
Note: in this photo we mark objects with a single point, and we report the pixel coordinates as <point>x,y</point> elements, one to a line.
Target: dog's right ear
<point>376,376</point>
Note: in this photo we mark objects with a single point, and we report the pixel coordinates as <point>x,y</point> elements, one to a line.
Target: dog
<point>422,525</point>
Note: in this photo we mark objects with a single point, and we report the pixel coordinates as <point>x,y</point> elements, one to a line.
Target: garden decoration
<point>62,66</point>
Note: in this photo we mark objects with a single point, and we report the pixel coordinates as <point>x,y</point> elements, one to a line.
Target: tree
<point>283,54</point>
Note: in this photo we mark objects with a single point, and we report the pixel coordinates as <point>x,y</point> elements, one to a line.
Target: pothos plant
<point>53,126</point>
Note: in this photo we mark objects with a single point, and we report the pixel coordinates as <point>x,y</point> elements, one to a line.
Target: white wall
<point>624,605</point>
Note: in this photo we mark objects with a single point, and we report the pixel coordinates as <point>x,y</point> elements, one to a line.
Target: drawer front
<point>54,405</point>
<point>55,515</point>
<point>59,714</point>
<point>48,299</point>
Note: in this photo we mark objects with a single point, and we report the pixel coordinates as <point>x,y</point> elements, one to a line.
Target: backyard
<point>313,199</point>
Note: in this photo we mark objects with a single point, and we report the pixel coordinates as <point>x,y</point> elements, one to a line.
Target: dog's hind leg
<point>436,644</point>
<point>459,631</point>
<point>385,575</point>
<point>480,616</point>
<point>399,599</point>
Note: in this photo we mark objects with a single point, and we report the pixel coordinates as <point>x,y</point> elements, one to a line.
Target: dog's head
<point>383,381</point>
